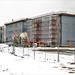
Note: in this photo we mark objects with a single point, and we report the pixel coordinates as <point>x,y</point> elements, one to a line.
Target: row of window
<point>18,31</point>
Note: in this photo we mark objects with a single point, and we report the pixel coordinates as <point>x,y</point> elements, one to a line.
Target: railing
<point>32,53</point>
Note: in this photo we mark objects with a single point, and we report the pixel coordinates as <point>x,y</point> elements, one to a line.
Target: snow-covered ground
<point>45,63</point>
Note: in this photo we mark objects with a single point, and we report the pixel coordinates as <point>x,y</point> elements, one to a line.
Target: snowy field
<point>45,63</point>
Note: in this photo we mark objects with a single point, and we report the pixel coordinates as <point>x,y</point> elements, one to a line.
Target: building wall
<point>64,31</point>
<point>2,34</point>
<point>48,29</point>
<point>28,27</point>
<point>13,28</point>
<point>67,29</point>
<point>37,23</point>
<point>45,29</point>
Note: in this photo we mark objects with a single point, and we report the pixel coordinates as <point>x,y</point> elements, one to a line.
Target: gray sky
<point>15,9</point>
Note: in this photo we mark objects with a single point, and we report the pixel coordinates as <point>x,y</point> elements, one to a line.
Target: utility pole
<point>58,54</point>
<point>13,45</point>
<point>74,55</point>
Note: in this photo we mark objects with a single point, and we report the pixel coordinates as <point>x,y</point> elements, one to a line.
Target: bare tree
<point>24,38</point>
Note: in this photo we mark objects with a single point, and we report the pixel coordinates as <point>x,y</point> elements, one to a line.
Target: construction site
<point>45,30</point>
<point>52,29</point>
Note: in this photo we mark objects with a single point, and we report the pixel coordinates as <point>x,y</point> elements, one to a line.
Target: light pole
<point>34,52</point>
<point>34,45</point>
<point>74,55</point>
<point>58,45</point>
<point>13,45</point>
<point>58,54</point>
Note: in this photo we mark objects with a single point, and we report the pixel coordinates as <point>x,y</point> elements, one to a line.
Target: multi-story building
<point>14,28</point>
<point>45,29</point>
<point>1,34</point>
<point>29,29</point>
<point>50,29</point>
<point>55,29</point>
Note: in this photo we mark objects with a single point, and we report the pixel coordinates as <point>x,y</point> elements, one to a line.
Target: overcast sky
<point>15,9</point>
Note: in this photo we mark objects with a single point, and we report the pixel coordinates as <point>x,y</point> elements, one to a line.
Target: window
<point>15,31</point>
<point>0,28</point>
<point>15,26</point>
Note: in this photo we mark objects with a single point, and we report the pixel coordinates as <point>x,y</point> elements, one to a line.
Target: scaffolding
<point>46,30</point>
<point>37,30</point>
<point>55,30</point>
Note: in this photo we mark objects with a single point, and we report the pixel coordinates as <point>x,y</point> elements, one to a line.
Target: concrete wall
<point>45,29</point>
<point>1,34</point>
<point>11,28</point>
<point>29,29</point>
<point>67,24</point>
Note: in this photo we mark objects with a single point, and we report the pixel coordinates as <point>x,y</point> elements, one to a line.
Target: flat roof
<point>55,13</point>
<point>15,21</point>
<point>47,14</point>
<point>67,14</point>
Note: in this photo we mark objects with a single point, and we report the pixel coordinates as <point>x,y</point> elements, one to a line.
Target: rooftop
<point>56,13</point>
<point>47,14</point>
<point>18,20</point>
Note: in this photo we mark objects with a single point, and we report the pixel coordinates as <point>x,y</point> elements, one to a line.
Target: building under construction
<point>1,34</point>
<point>54,29</point>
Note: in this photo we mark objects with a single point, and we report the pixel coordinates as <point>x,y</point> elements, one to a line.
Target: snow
<point>45,63</point>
